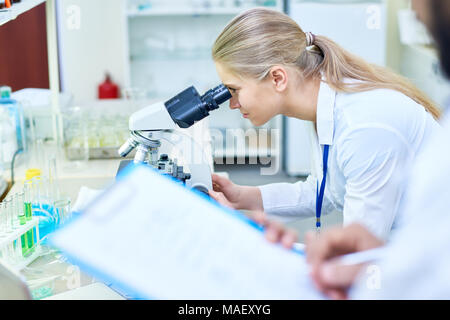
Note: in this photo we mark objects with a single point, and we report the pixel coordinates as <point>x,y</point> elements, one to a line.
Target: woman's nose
<point>234,103</point>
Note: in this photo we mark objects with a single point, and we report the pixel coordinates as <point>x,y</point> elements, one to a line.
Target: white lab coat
<point>373,138</point>
<point>416,262</point>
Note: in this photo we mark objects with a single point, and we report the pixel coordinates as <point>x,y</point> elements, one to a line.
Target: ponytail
<point>256,40</point>
<point>339,65</point>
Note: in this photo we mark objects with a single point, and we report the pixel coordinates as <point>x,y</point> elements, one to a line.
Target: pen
<point>361,257</point>
<point>351,258</point>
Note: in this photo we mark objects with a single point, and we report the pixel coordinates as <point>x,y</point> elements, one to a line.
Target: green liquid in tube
<point>24,237</point>
<point>28,211</point>
<point>30,234</point>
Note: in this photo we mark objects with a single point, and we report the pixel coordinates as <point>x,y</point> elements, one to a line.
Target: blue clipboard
<point>122,288</point>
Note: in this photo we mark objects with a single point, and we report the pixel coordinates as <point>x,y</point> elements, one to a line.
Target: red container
<point>108,89</point>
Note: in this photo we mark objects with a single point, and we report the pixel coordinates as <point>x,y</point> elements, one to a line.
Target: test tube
<point>62,210</point>
<point>14,212</point>
<point>10,254</point>
<point>5,249</point>
<point>35,192</point>
<point>42,187</point>
<point>27,199</point>
<point>42,207</point>
<point>41,193</point>
<point>8,211</point>
<point>53,178</point>
<point>27,215</point>
<point>23,237</point>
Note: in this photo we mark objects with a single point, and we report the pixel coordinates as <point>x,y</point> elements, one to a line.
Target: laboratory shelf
<point>17,9</point>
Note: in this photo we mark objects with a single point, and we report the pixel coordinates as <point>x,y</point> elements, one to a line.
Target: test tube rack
<point>19,262</point>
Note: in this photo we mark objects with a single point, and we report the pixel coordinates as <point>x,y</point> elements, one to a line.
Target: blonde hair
<point>256,40</point>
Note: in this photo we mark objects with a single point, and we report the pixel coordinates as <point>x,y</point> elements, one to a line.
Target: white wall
<point>422,65</point>
<point>92,41</point>
<point>394,47</point>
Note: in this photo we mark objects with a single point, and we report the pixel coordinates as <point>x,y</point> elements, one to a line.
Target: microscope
<point>161,121</point>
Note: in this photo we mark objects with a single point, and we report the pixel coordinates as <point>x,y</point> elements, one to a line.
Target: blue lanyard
<point>319,195</point>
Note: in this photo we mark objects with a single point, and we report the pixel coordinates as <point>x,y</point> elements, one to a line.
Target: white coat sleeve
<point>290,201</point>
<point>374,162</point>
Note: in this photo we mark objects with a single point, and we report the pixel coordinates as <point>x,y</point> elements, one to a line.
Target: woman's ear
<point>279,78</point>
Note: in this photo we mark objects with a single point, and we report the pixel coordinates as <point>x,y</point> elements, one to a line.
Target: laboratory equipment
<point>96,129</point>
<point>9,213</point>
<point>37,106</point>
<point>13,211</point>
<point>26,214</point>
<point>8,138</point>
<point>54,192</point>
<point>12,129</point>
<point>76,140</point>
<point>62,210</point>
<point>108,89</point>
<point>27,238</point>
<point>161,121</point>
<point>18,245</point>
<point>42,206</point>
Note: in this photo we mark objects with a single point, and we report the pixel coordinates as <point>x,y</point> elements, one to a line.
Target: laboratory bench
<point>50,276</point>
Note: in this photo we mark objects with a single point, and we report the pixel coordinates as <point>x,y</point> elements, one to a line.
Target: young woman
<point>368,122</point>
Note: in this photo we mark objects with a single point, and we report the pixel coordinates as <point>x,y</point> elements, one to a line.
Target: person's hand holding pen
<point>330,274</point>
<point>323,251</point>
<point>332,255</point>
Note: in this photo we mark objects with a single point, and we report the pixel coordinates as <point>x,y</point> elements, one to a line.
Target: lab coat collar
<point>325,114</point>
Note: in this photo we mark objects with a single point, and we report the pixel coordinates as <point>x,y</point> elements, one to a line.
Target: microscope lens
<point>221,94</point>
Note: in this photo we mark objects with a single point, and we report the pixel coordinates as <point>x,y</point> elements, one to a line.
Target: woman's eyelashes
<point>232,90</point>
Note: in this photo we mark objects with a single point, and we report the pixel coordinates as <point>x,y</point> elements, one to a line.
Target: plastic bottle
<point>108,89</point>
<point>8,138</point>
<point>12,110</point>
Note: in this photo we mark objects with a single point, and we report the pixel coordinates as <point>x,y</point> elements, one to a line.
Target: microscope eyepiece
<point>214,97</point>
<point>188,106</point>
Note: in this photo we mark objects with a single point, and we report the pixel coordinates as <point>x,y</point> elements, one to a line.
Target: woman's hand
<point>225,192</point>
<point>330,277</point>
<point>234,196</point>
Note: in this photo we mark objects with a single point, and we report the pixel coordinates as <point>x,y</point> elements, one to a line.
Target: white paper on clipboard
<point>167,242</point>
